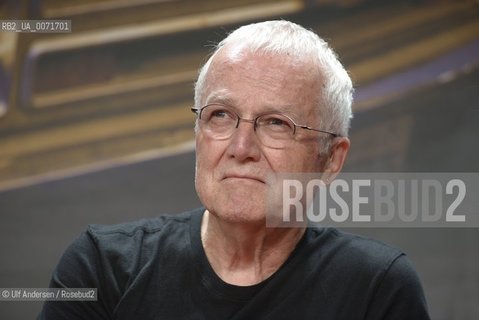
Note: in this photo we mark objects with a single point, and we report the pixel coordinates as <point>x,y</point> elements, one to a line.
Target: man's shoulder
<point>354,272</point>
<point>145,226</point>
<point>127,247</point>
<point>350,249</point>
<point>353,265</point>
<point>152,236</point>
<point>366,246</point>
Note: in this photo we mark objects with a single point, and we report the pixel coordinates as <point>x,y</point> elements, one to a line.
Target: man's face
<point>231,174</point>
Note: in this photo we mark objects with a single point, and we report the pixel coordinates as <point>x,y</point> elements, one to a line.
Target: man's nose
<point>252,121</point>
<point>244,144</point>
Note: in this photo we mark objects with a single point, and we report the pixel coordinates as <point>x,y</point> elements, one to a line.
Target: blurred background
<point>95,124</point>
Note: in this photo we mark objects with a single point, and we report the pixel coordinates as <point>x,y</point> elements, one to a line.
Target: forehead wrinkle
<point>222,96</point>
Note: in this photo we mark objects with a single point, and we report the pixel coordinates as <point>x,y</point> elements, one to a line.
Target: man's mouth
<point>243,177</point>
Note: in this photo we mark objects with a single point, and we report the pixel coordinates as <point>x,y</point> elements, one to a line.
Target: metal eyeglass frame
<point>198,112</point>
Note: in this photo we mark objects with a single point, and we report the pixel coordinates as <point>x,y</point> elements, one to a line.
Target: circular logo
<point>5,294</point>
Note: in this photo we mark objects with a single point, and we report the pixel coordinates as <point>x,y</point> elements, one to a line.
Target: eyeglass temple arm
<point>328,132</point>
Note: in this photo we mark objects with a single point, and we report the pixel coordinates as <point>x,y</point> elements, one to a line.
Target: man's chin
<point>241,215</point>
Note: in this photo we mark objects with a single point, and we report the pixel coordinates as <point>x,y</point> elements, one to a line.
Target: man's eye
<point>277,122</point>
<point>219,114</point>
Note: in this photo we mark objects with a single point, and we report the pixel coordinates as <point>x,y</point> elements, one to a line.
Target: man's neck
<point>243,253</point>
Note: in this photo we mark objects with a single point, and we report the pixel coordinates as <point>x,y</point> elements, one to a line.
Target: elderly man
<point>272,98</point>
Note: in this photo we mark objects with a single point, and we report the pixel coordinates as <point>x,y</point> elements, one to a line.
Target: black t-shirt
<point>157,269</point>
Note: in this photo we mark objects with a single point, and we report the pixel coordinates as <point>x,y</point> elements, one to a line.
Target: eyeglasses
<point>274,130</point>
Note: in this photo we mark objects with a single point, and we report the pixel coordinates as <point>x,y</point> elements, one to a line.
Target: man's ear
<point>336,157</point>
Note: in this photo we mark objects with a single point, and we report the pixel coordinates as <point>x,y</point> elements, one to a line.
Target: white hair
<point>286,38</point>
